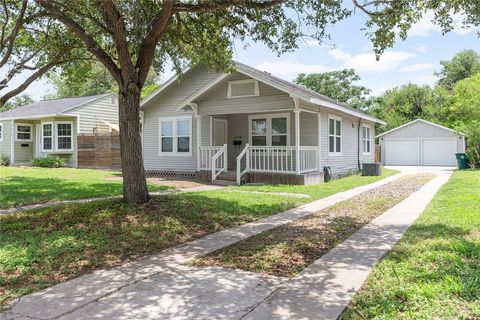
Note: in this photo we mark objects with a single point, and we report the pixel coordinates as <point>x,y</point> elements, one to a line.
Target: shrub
<point>49,162</point>
<point>4,160</point>
<point>472,131</point>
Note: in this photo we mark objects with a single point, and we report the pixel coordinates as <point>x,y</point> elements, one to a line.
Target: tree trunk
<point>134,181</point>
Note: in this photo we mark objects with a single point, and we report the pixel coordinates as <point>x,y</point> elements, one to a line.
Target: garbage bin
<point>462,161</point>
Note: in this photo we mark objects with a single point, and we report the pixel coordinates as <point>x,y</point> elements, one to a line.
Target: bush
<point>472,131</point>
<point>49,162</point>
<point>4,160</point>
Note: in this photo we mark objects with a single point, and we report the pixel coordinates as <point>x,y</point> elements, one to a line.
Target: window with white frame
<point>64,135</point>
<point>243,88</point>
<point>270,130</point>
<point>334,135</point>
<point>23,132</point>
<point>1,132</point>
<point>47,136</point>
<point>175,136</point>
<point>366,138</point>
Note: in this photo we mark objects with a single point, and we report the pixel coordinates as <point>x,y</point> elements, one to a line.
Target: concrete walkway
<point>162,287</point>
<point>57,203</point>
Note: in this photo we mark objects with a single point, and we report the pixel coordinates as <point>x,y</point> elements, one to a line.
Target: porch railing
<point>206,154</point>
<point>213,158</point>
<point>277,159</point>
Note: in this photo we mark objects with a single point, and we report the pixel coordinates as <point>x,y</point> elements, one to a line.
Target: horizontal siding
<point>216,102</point>
<point>93,114</point>
<point>5,144</point>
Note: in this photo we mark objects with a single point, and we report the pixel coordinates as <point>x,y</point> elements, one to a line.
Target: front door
<point>220,132</point>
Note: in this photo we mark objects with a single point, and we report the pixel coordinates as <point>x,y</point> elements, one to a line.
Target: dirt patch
<point>173,182</point>
<point>287,250</point>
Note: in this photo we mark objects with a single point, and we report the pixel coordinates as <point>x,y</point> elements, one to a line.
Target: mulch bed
<point>287,250</point>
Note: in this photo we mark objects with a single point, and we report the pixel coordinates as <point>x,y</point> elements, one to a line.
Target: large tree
<point>463,65</point>
<point>339,85</point>
<point>128,37</point>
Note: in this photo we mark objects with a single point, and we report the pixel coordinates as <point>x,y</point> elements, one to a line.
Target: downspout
<point>358,143</point>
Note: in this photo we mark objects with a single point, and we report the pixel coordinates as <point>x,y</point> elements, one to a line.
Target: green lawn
<point>40,248</point>
<point>433,272</point>
<point>22,186</point>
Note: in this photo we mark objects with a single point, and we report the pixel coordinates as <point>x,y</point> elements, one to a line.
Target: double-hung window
<point>64,136</point>
<point>175,136</point>
<point>334,135</point>
<point>47,136</point>
<point>269,130</point>
<point>366,139</point>
<point>23,132</point>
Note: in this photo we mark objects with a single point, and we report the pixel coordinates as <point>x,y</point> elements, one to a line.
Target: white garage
<point>421,143</point>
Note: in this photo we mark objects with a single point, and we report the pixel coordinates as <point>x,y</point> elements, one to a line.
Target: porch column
<point>199,138</point>
<point>319,142</point>
<point>297,140</point>
<point>12,142</point>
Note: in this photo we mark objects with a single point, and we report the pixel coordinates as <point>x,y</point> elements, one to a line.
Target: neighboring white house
<point>253,126</point>
<point>50,127</point>
<point>421,143</point>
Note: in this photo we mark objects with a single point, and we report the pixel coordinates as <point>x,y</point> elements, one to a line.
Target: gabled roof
<point>291,88</point>
<point>420,120</point>
<point>48,107</point>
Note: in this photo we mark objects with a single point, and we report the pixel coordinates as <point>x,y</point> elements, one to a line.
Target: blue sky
<point>413,60</point>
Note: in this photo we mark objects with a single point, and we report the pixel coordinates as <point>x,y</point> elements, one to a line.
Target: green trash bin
<point>462,161</point>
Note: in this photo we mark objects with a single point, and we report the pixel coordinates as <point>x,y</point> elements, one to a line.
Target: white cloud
<point>425,26</point>
<point>290,69</point>
<point>312,43</point>
<point>421,48</point>
<point>419,67</point>
<point>366,62</point>
<point>425,80</point>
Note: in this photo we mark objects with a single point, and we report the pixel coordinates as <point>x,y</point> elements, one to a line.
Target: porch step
<point>228,176</point>
<point>224,182</point>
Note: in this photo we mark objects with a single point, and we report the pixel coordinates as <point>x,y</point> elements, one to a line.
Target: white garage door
<point>402,152</point>
<point>439,152</point>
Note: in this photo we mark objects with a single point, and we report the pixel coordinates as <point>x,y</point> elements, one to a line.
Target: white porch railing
<point>215,159</point>
<point>277,159</point>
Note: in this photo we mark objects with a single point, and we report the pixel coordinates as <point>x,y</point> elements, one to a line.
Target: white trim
<point>420,120</point>
<point>52,136</point>
<point>319,140</point>
<point>1,132</point>
<point>268,133</point>
<point>57,136</point>
<point>202,90</point>
<point>225,121</point>
<point>365,125</point>
<point>38,137</point>
<point>174,136</point>
<point>256,90</point>
<point>12,142</point>
<point>26,125</point>
<point>211,130</point>
<point>335,135</point>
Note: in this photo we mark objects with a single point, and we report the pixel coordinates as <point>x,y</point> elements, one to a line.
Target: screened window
<point>334,135</point>
<point>64,136</point>
<point>24,132</point>
<point>176,136</point>
<point>366,139</point>
<point>269,130</point>
<point>243,88</point>
<point>47,136</point>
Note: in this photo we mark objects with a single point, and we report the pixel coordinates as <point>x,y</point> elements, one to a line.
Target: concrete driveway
<point>421,168</point>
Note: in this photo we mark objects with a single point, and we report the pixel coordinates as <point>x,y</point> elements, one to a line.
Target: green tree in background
<point>17,102</point>
<point>463,65</point>
<point>466,106</point>
<point>338,85</point>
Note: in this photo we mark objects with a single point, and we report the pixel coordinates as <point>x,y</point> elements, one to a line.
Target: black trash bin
<point>462,161</point>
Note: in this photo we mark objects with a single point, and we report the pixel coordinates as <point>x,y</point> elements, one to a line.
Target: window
<point>47,136</point>
<point>334,135</point>
<point>24,132</point>
<point>1,132</point>
<point>64,135</point>
<point>175,136</point>
<point>270,130</point>
<point>366,139</point>
<point>243,88</point>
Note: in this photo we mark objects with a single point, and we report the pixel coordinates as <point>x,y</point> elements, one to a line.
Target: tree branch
<point>210,6</point>
<point>91,44</point>
<point>10,39</point>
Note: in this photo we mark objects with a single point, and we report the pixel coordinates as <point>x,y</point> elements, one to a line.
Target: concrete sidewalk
<point>323,289</point>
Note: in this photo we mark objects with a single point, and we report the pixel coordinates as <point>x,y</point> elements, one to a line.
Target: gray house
<point>421,143</point>
<point>50,127</point>
<point>250,125</point>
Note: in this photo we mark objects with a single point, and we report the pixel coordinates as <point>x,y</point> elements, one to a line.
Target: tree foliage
<point>18,101</point>
<point>466,106</point>
<point>463,65</point>
<point>339,85</point>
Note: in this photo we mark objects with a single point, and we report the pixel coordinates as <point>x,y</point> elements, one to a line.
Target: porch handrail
<point>206,154</point>
<point>240,173</point>
<point>222,156</point>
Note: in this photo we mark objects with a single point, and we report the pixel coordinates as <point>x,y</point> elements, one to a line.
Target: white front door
<point>38,144</point>
<point>220,132</point>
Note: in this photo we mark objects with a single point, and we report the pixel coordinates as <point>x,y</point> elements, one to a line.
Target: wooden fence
<point>99,151</point>
<point>378,153</point>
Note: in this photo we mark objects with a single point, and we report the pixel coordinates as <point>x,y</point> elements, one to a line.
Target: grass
<point>433,272</point>
<point>40,248</point>
<point>321,190</point>
<point>287,250</point>
<point>23,186</point>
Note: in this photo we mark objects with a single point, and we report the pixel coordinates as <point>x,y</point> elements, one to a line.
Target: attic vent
<point>242,88</point>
